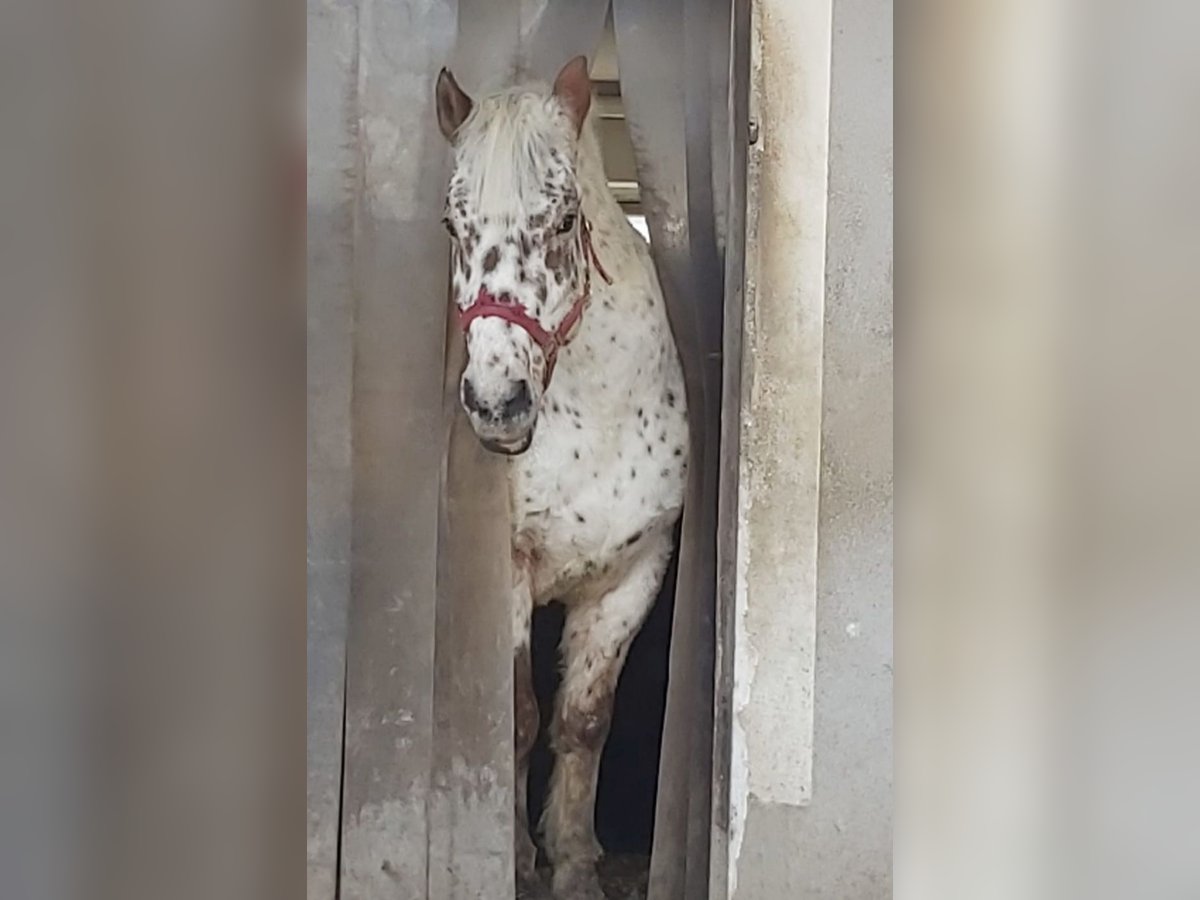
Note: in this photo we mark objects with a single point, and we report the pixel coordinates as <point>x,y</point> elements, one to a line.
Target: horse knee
<point>584,727</point>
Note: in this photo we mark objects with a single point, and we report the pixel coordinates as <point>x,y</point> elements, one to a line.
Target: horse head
<point>521,246</point>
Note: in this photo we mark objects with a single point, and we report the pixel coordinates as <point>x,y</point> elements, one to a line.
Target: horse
<point>572,373</point>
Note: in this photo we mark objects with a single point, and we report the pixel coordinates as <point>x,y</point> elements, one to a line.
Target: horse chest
<point>590,487</point>
<point>608,461</point>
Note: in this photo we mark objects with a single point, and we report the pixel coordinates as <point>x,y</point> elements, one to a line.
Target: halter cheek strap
<point>503,306</point>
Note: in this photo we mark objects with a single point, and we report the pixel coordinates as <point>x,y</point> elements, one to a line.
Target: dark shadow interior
<point>629,767</point>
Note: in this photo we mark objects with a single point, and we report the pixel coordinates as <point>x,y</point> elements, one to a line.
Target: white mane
<point>504,145</point>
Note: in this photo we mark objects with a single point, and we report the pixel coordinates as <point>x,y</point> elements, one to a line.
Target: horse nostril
<point>470,400</point>
<point>519,403</point>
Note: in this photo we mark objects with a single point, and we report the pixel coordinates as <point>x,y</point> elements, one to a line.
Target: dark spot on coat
<point>670,398</point>
<point>470,239</point>
<point>679,451</point>
<point>491,260</point>
<point>580,519</point>
<point>577,454</point>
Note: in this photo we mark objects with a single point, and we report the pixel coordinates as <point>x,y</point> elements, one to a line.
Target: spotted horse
<point>573,373</point>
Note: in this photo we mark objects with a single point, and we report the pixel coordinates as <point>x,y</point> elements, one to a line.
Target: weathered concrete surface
<point>839,844</point>
<point>775,628</point>
<point>844,839</point>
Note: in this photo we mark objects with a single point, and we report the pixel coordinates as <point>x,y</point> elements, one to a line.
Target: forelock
<point>506,147</point>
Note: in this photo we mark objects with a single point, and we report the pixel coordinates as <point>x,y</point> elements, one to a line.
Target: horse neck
<point>596,200</point>
<point>604,377</point>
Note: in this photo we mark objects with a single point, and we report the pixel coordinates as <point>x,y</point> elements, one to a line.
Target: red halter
<point>506,307</point>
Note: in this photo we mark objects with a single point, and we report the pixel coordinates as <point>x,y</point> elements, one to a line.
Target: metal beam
<point>663,49</point>
<point>331,105</point>
<point>561,30</point>
<point>471,799</point>
<point>400,263</point>
<point>736,133</point>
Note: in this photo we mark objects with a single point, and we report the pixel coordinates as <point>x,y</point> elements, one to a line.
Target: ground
<point>623,877</point>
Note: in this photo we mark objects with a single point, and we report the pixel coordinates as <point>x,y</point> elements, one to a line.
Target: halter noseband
<point>503,306</point>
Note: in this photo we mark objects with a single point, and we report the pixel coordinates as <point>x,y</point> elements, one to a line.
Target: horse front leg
<point>525,729</point>
<point>596,639</point>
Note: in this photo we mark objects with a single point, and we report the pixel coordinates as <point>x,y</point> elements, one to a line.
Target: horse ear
<point>453,104</point>
<point>573,88</point>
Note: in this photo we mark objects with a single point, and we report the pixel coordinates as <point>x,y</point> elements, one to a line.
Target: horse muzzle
<point>504,417</point>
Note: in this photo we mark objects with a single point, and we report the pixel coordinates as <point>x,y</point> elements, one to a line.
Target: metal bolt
<point>753,132</point>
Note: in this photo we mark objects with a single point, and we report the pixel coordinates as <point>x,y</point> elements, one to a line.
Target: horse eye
<point>450,228</point>
<point>567,223</point>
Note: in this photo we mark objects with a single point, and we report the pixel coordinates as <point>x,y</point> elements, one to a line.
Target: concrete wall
<point>832,837</point>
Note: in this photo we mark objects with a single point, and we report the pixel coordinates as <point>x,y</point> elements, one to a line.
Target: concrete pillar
<point>812,737</point>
